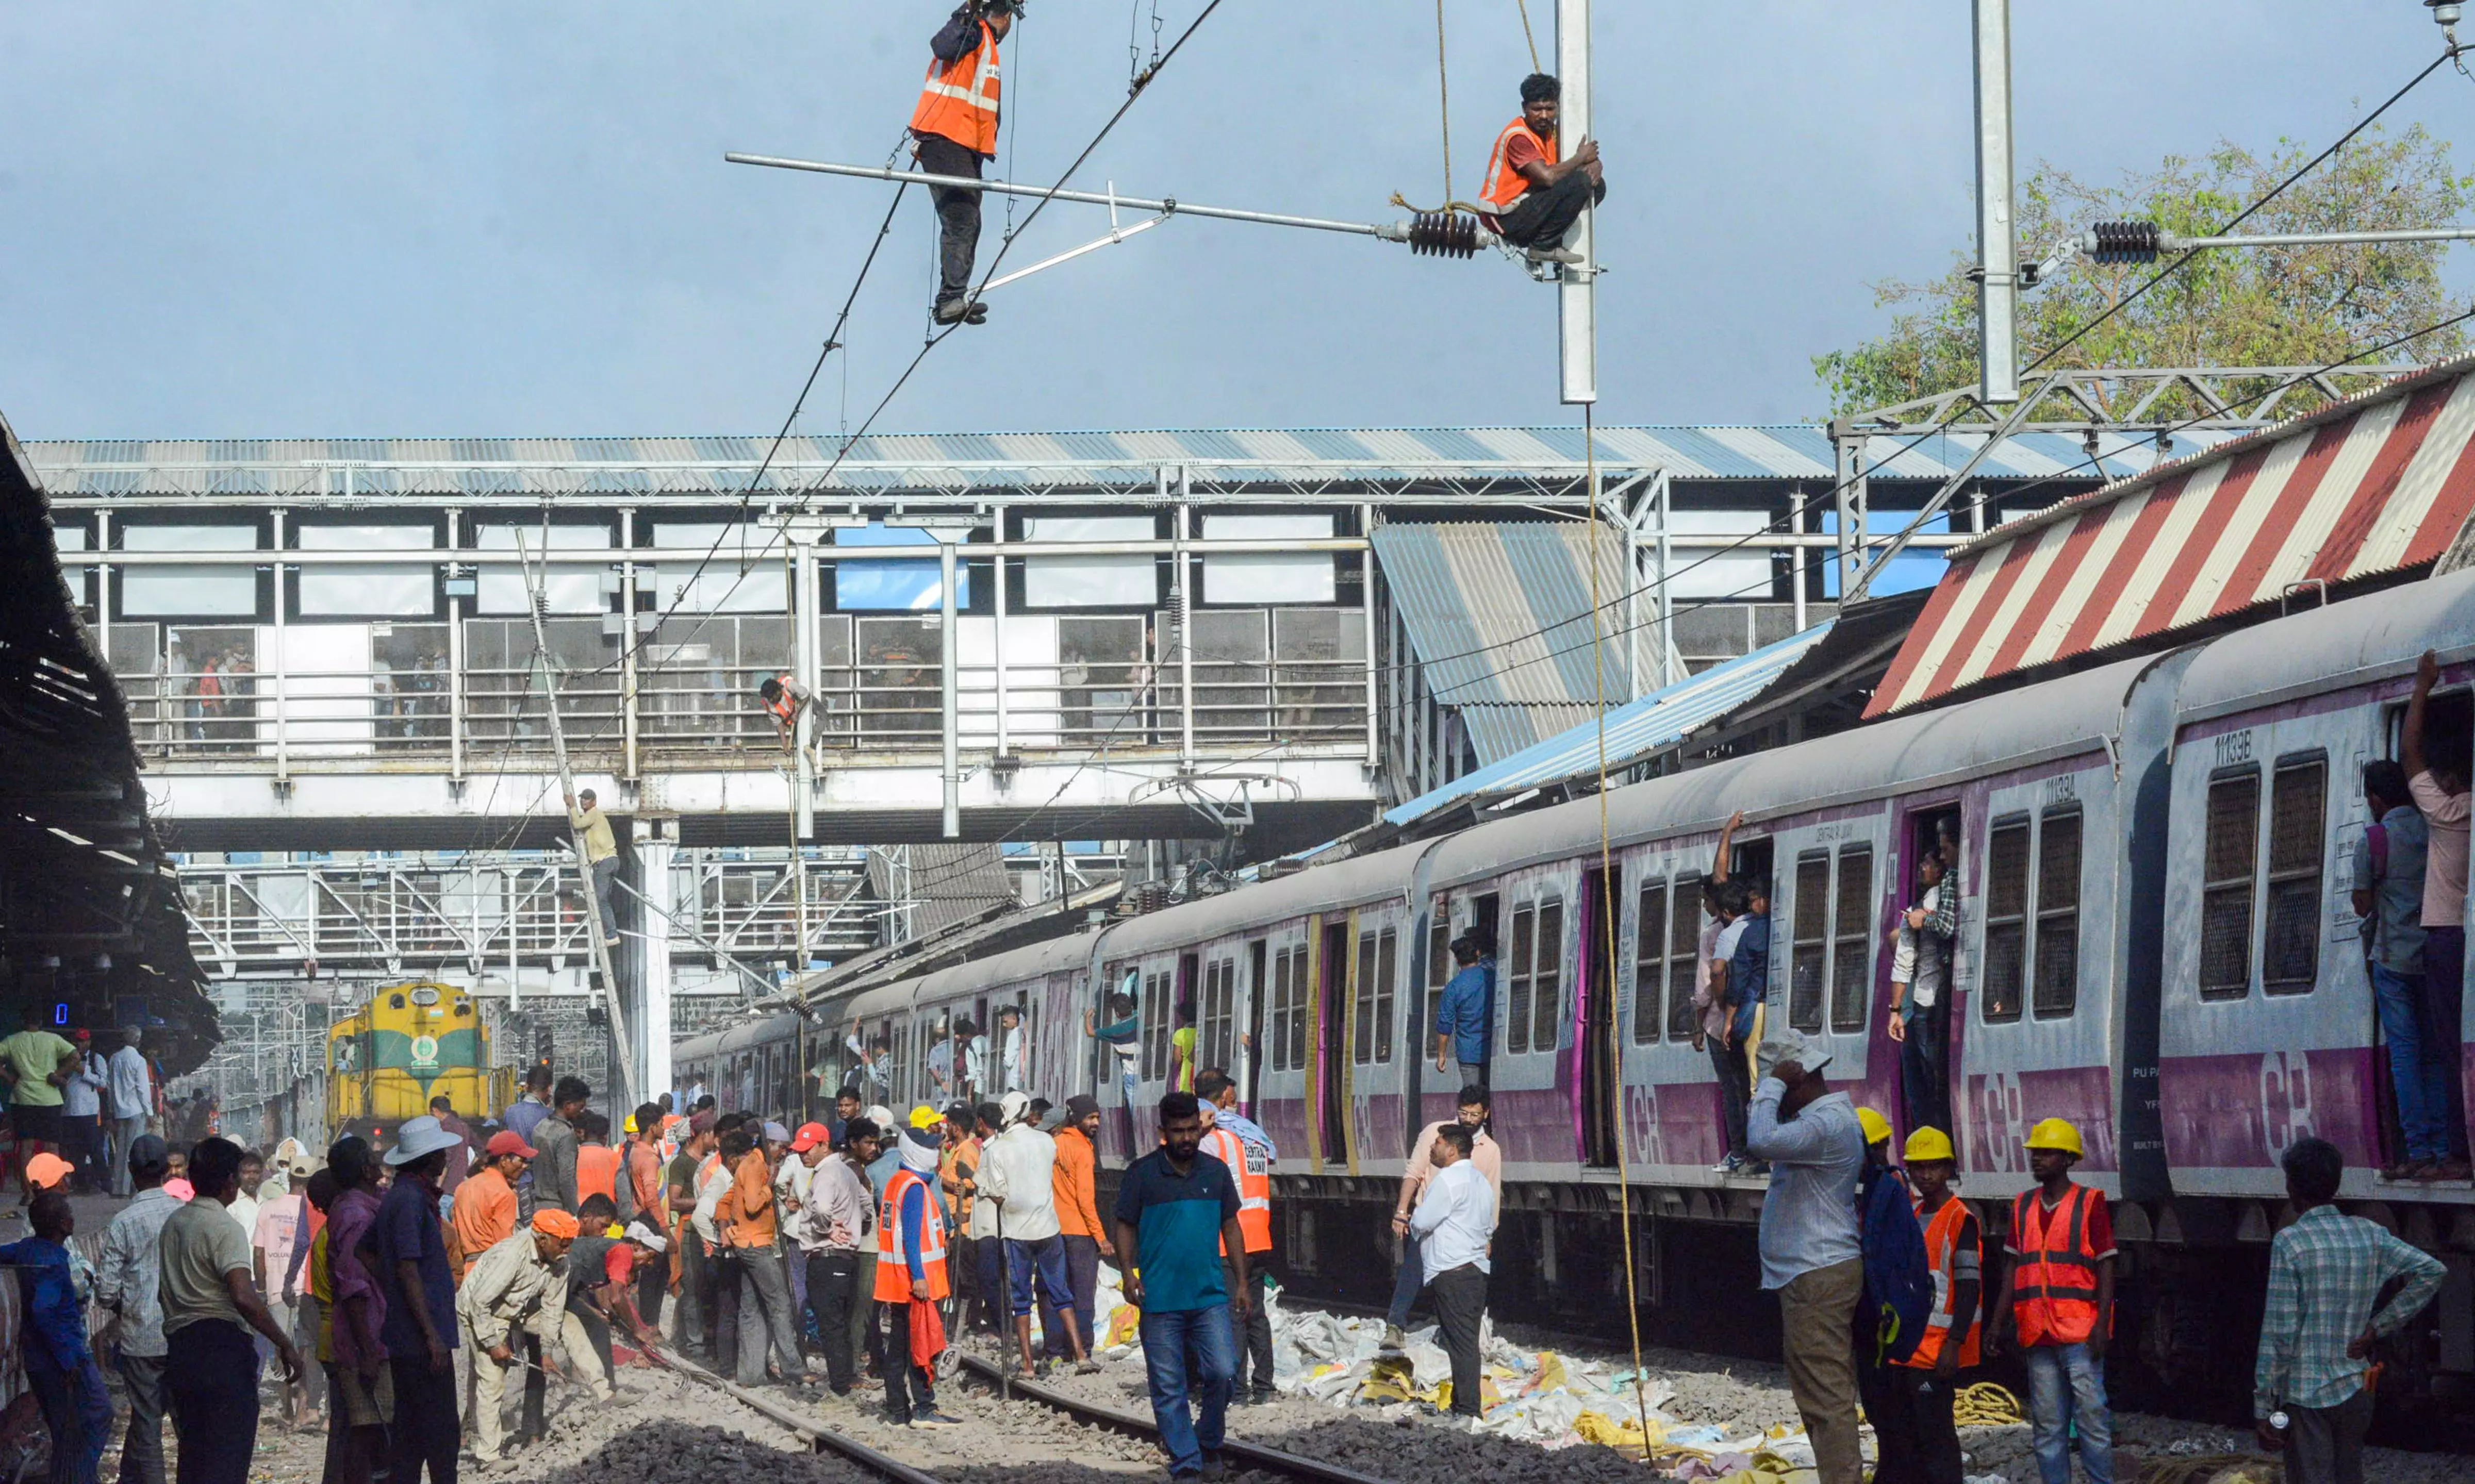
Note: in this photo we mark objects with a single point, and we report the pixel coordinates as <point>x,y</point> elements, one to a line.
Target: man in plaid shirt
<point>2324,1273</point>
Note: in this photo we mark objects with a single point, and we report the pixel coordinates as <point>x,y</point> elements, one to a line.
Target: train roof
<point>1351,883</point>
<point>738,1037</point>
<point>2361,639</point>
<point>1906,752</point>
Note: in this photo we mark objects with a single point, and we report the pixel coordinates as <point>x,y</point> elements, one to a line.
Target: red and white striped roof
<point>2377,483</point>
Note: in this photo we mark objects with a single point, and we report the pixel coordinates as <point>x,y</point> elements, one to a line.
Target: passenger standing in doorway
<point>1485,1157</point>
<point>1465,1011</point>
<point>1811,1254</point>
<point>1920,994</point>
<point>954,130</point>
<point>2389,899</point>
<point>1740,976</point>
<point>1712,1028</point>
<point>2439,788</point>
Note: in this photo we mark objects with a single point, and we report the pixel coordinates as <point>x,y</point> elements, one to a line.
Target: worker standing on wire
<point>954,128</point>
<point>1533,195</point>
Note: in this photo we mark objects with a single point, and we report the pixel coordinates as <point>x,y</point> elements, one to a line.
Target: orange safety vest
<point>2053,1283</point>
<point>960,101</point>
<point>892,1269</point>
<point>784,705</point>
<point>1506,186</point>
<point>1253,1173</point>
<point>1942,1252</point>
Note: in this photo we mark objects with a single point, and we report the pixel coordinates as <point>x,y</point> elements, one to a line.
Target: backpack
<point>1899,1284</point>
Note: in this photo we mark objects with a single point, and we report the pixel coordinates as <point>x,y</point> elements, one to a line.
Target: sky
<point>266,219</point>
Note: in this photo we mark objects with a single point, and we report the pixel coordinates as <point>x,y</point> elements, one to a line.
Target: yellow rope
<point>1526,36</point>
<point>1986,1404</point>
<point>1444,93</point>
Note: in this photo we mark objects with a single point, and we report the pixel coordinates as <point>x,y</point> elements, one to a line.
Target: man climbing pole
<point>1532,196</point>
<point>954,130</point>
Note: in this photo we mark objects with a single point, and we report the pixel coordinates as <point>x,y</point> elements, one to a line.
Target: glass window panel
<point>2058,915</point>
<point>2290,957</point>
<point>1525,934</point>
<point>1268,576</point>
<point>1547,990</point>
<point>898,586</point>
<point>1809,956</point>
<point>177,592</point>
<point>1851,945</point>
<point>409,592</point>
<point>1387,957</point>
<point>1089,581</point>
<point>2227,885</point>
<point>1650,960</point>
<point>744,572</point>
<point>568,589</point>
<point>2006,920</point>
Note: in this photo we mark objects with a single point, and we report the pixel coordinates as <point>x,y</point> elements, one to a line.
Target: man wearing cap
<point>517,1288</point>
<point>1078,1218</point>
<point>1811,1255</point>
<point>1919,1421</point>
<point>1018,1172</point>
<point>750,1225</point>
<point>126,1286</point>
<point>834,1211</point>
<point>486,1210</point>
<point>909,1272</point>
<point>2056,1305</point>
<point>419,1326</point>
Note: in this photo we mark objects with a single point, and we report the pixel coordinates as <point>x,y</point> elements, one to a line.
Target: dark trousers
<point>833,1287</point>
<point>727,1279</point>
<point>653,1284</point>
<point>1542,217</point>
<point>958,212</point>
<point>1253,1333</point>
<point>989,1265</point>
<point>1735,1090</point>
<point>2444,999</point>
<point>908,1388</point>
<point>531,1423</point>
<point>2325,1444</point>
<point>425,1431</point>
<point>82,1142</point>
<point>142,1446</point>
<point>76,1412</point>
<point>210,1378</point>
<point>1924,1065</point>
<point>1408,1280</point>
<point>1083,1272</point>
<point>696,1296</point>
<point>1459,1297</point>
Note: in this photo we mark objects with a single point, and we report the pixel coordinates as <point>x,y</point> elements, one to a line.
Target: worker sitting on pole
<point>1533,197</point>
<point>954,128</point>
<point>785,697</point>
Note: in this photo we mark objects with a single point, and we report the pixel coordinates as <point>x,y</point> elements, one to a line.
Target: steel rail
<point>808,1430</point>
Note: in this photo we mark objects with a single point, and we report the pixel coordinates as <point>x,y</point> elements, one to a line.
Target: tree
<point>2248,306</point>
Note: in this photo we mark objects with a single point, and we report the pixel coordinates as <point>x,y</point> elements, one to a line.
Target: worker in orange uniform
<point>1916,1426</point>
<point>909,1275</point>
<point>954,130</point>
<point>1238,1142</point>
<point>2057,1303</point>
<point>484,1214</point>
<point>1533,195</point>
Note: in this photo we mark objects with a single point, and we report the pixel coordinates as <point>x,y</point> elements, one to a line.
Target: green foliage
<point>2249,307</point>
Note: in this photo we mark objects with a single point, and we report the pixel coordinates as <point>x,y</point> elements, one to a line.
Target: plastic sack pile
<point>1544,1397</point>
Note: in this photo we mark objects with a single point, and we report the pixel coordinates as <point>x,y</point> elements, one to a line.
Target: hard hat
<point>1929,1144</point>
<point>1876,1127</point>
<point>2056,1134</point>
<point>925,1117</point>
<point>631,1123</point>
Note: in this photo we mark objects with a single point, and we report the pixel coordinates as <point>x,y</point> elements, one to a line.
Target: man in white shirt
<point>1410,1278</point>
<point>836,1219</point>
<point>1454,1222</point>
<point>1019,1175</point>
<point>1010,1053</point>
<point>126,1101</point>
<point>82,1115</point>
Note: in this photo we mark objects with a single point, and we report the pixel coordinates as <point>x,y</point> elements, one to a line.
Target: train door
<point>1933,833</point>
<point>1600,1092</point>
<point>1250,1081</point>
<point>1424,1086</point>
<point>1330,1046</point>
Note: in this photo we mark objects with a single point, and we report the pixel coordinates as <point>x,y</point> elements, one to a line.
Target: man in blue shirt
<point>1176,1213</point>
<point>1740,976</point>
<point>59,1364</point>
<point>419,1329</point>
<point>1465,1011</point>
<point>2389,899</point>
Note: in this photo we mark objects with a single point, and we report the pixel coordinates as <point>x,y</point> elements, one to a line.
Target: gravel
<point>671,1452</point>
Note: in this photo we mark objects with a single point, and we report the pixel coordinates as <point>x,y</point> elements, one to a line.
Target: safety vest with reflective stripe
<point>784,705</point>
<point>1506,186</point>
<point>1942,1256</point>
<point>2053,1281</point>
<point>960,100</point>
<point>892,1269</point>
<point>1253,1173</point>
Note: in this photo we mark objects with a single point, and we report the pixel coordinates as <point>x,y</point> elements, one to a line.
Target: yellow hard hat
<point>1929,1144</point>
<point>2056,1134</point>
<point>1876,1127</point>
<point>925,1117</point>
<point>631,1123</point>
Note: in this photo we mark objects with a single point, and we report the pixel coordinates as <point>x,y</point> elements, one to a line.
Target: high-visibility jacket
<point>893,1268</point>
<point>2053,1280</point>
<point>1253,1173</point>
<point>1506,186</point>
<point>1942,1255</point>
<point>960,100</point>
<point>784,705</point>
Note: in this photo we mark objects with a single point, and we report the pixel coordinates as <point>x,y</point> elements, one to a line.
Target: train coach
<point>2156,941</point>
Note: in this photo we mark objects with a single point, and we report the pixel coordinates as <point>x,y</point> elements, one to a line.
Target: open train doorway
<point>1257,990</point>
<point>1602,1090</point>
<point>1931,860</point>
<point>1331,1001</point>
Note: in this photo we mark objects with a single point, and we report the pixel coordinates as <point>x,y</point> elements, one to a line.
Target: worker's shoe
<point>1392,1337</point>
<point>1546,253</point>
<point>933,1421</point>
<point>953,311</point>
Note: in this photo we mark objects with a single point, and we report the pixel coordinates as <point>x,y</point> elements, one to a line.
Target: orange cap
<point>550,1222</point>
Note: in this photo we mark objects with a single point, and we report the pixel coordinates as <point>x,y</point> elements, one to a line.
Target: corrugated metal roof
<point>1499,613</point>
<point>2377,483</point>
<point>723,465</point>
<point>1634,731</point>
<point>946,884</point>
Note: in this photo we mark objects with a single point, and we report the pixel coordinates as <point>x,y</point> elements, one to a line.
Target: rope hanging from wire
<point>1444,95</point>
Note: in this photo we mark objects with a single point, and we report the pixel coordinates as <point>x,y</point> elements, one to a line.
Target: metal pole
<point>282,738</point>
<point>806,593</point>
<point>655,845</point>
<point>949,689</point>
<point>632,725</point>
<point>515,971</point>
<point>998,569</point>
<point>456,674</point>
<point>585,868</point>
<point>1366,629</point>
<point>1182,589</point>
<point>1666,594</point>
<point>1795,556</point>
<point>1577,296</point>
<point>1997,265</point>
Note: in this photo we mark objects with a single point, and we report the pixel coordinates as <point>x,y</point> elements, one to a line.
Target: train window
<point>1159,990</point>
<point>2057,988</point>
<point>1517,983</point>
<point>1378,954</point>
<point>2226,885</point>
<point>1214,1039</point>
<point>1808,960</point>
<point>2006,918</point>
<point>1547,979</point>
<point>1684,957</point>
<point>1650,959</point>
<point>1851,938</point>
<point>1300,1003</point>
<point>2289,955</point>
<point>1439,967</point>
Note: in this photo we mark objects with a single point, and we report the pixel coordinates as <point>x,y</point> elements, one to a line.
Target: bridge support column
<point>649,1017</point>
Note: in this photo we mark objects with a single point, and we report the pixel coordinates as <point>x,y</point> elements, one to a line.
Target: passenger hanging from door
<point>1921,942</point>
<point>955,130</point>
<point>1533,195</point>
<point>1465,1011</point>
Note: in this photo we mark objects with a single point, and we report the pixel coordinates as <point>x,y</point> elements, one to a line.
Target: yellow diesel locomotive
<point>409,1043</point>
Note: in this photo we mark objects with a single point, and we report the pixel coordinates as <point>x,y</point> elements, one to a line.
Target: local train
<point>2157,943</point>
<point>409,1043</point>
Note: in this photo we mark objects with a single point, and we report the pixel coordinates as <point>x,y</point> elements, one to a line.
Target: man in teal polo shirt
<point>1176,1211</point>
